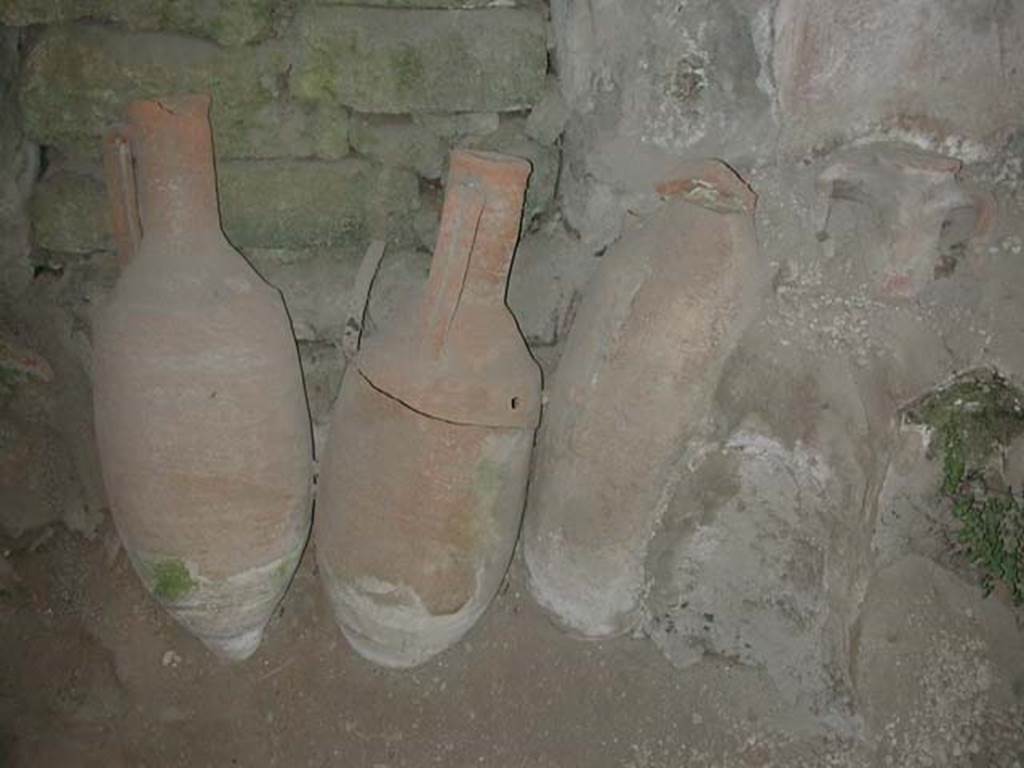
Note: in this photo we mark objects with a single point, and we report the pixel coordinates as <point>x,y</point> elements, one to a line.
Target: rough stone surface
<point>748,581</point>
<point>399,142</point>
<point>77,80</point>
<point>935,70</point>
<point>911,508</point>
<point>937,672</point>
<point>392,207</point>
<point>36,476</point>
<point>455,4</point>
<point>234,22</point>
<point>427,221</point>
<point>459,125</point>
<point>323,365</point>
<point>918,216</point>
<point>511,139</point>
<point>393,61</point>
<point>316,286</point>
<point>48,465</point>
<point>549,275</point>
<point>10,128</point>
<point>680,80</point>
<point>547,120</point>
<point>763,549</point>
<point>70,213</point>
<point>19,162</point>
<point>398,286</point>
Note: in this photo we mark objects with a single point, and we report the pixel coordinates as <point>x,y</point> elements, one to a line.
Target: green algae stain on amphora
<point>172,581</point>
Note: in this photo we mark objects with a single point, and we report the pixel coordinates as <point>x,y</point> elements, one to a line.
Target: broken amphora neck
<point>479,232</point>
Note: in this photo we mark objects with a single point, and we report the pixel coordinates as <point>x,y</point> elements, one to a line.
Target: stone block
<point>427,221</point>
<point>298,204</point>
<point>939,70</point>
<point>290,204</point>
<point>378,60</point>
<point>450,4</point>
<point>10,58</point>
<point>392,208</point>
<point>511,139</point>
<point>550,271</point>
<point>399,286</point>
<point>457,126</point>
<point>235,22</point>
<point>323,365</point>
<point>69,213</point>
<point>316,285</point>
<point>76,81</point>
<point>327,127</point>
<point>398,141</point>
<point>283,130</point>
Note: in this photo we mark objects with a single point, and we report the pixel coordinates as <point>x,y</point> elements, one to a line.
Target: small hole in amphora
<point>515,403</point>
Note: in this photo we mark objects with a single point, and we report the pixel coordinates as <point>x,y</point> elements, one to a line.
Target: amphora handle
<point>451,262</point>
<point>359,299</point>
<point>119,164</point>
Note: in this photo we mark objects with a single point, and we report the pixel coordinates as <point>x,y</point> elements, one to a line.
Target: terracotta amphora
<point>201,417</point>
<point>424,476</point>
<point>634,385</point>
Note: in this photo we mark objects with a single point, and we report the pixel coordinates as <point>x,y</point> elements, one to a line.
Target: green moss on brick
<point>377,60</point>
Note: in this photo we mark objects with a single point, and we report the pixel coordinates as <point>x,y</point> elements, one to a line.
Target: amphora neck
<point>163,158</point>
<point>479,230</point>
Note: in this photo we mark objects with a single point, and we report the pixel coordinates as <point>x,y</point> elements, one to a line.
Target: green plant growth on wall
<point>974,419</point>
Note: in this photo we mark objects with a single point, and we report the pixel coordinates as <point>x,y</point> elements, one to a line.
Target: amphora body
<point>201,418</point>
<point>632,390</point>
<point>424,476</point>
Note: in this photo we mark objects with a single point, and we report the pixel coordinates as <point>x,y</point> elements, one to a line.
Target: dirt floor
<point>93,673</point>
